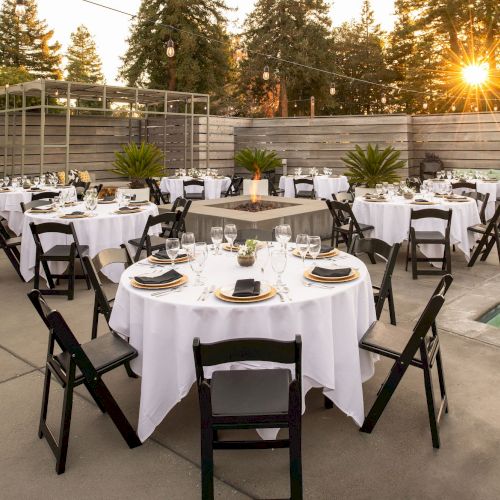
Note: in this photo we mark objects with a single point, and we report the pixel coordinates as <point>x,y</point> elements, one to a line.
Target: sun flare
<point>476,74</point>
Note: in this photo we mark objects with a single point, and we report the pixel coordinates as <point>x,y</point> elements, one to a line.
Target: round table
<point>324,185</point>
<point>214,186</point>
<point>484,187</point>
<point>105,229</point>
<point>391,220</point>
<point>331,322</point>
<point>10,204</point>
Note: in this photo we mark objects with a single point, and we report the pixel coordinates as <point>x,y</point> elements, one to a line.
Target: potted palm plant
<point>137,163</point>
<point>257,161</point>
<point>373,166</point>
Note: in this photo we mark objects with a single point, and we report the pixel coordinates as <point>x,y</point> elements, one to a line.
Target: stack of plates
<point>326,255</point>
<point>354,275</point>
<point>225,293</point>
<point>172,284</point>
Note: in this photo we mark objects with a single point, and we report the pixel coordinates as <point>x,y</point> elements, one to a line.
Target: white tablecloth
<point>162,329</point>
<point>105,230</point>
<point>493,188</point>
<point>213,187</point>
<point>10,205</point>
<point>392,221</point>
<point>324,185</point>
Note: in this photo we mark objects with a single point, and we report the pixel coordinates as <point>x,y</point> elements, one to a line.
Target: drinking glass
<point>390,190</point>
<point>283,234</point>
<point>230,232</point>
<point>278,261</point>
<point>263,255</point>
<point>385,186</point>
<point>172,246</point>
<point>217,235</point>
<point>187,242</point>
<point>449,175</point>
<point>314,247</point>
<point>302,245</point>
<point>379,189</point>
<point>198,259</point>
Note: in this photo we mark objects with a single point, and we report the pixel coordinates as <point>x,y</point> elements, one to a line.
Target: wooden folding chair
<point>199,195</point>
<point>304,193</point>
<point>249,399</point>
<point>417,348</point>
<point>159,198</point>
<point>490,237</point>
<point>235,187</point>
<point>80,364</point>
<point>11,245</point>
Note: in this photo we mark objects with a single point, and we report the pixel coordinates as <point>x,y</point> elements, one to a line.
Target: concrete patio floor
<point>396,461</point>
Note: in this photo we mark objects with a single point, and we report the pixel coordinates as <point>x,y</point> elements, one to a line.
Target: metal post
<point>312,106</point>
<point>23,131</point>
<point>165,107</point>
<point>68,125</point>
<point>207,138</point>
<point>192,131</point>
<point>104,98</point>
<point>185,134</point>
<point>42,127</point>
<point>6,131</point>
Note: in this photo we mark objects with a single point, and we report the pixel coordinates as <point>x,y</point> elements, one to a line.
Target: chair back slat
<point>297,182</point>
<point>112,256</point>
<point>464,185</point>
<point>32,204</point>
<point>343,196</point>
<point>179,203</point>
<point>47,195</point>
<point>194,182</point>
<point>430,213</point>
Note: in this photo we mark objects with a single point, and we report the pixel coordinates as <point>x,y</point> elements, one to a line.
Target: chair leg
<point>392,309</point>
<point>295,460</point>
<point>327,403</point>
<point>129,371</point>
<point>98,402</point>
<point>64,430</point>
<point>45,401</point>
<point>431,407</point>
<point>48,274</point>
<point>414,260</point>
<point>95,320</point>
<point>207,463</point>
<point>36,283</point>
<point>447,255</point>
<point>71,280</point>
<point>407,254</point>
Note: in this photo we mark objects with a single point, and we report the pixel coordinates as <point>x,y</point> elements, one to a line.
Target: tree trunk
<point>283,99</point>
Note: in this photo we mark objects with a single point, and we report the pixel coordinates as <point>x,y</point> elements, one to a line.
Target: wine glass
<point>187,242</point>
<point>230,232</point>
<point>314,247</point>
<point>217,235</point>
<point>379,189</point>
<point>172,246</point>
<point>385,186</point>
<point>278,261</point>
<point>263,255</point>
<point>390,190</point>
<point>283,234</point>
<point>302,246</point>
<point>198,259</point>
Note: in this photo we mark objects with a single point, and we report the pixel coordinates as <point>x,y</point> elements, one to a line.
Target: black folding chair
<point>345,224</point>
<point>249,399</point>
<point>273,190</point>
<point>374,246</point>
<point>464,185</point>
<point>343,197</point>
<point>415,348</point>
<point>483,199</point>
<point>80,364</point>
<point>490,236</point>
<point>234,188</point>
<point>47,195</point>
<point>81,188</point>
<point>58,253</point>
<point>103,305</point>
<point>198,195</point>
<point>158,197</point>
<point>10,245</point>
<point>97,188</point>
<point>304,193</point>
<point>429,238</point>
<point>170,220</point>
<point>185,205</point>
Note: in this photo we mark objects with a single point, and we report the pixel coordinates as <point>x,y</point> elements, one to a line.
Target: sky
<point>111,29</point>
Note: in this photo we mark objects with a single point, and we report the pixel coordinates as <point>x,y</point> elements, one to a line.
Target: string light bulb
<point>425,105</point>
<point>20,8</point>
<point>333,90</point>
<point>265,74</point>
<point>453,108</point>
<point>383,99</point>
<point>170,48</point>
<point>495,108</point>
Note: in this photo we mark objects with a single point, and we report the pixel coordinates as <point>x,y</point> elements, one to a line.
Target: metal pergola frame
<point>64,97</point>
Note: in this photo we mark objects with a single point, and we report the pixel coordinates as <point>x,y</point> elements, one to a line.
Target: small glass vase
<point>246,260</point>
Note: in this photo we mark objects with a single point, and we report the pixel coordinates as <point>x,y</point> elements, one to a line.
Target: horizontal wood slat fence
<point>470,140</point>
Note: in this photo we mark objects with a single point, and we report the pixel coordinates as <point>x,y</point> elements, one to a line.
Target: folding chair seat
<point>490,236</point>
<point>249,399</point>
<point>304,193</point>
<point>58,253</point>
<point>10,245</point>
<point>198,195</point>
<point>419,348</point>
<point>79,364</point>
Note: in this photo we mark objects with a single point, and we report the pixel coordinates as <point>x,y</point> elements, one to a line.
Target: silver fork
<point>208,291</point>
<point>316,285</point>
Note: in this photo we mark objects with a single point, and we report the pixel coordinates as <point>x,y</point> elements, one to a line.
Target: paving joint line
<point>472,339</point>
<point>20,358</point>
<point>17,376</point>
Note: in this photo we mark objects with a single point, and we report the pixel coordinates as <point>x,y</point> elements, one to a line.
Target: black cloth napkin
<point>331,273</point>
<point>325,249</point>
<point>126,209</point>
<point>35,189</point>
<point>420,200</point>
<point>108,198</point>
<point>163,279</point>
<point>76,213</point>
<point>163,255</point>
<point>246,288</point>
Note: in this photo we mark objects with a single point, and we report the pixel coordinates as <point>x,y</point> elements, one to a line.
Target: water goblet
<point>385,185</point>
<point>314,248</point>
<point>187,242</point>
<point>172,246</point>
<point>263,255</point>
<point>217,235</point>
<point>198,259</point>
<point>230,232</point>
<point>278,262</point>
<point>379,189</point>
<point>449,175</point>
<point>302,245</point>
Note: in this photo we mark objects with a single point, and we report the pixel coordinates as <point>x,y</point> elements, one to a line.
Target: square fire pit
<point>304,216</point>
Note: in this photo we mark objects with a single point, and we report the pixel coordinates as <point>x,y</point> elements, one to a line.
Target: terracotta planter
<point>246,260</point>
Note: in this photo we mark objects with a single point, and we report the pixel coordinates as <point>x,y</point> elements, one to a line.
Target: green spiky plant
<point>373,166</point>
<point>137,163</point>
<point>257,161</point>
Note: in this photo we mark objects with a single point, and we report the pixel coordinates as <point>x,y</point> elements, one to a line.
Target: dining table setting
<point>196,289</point>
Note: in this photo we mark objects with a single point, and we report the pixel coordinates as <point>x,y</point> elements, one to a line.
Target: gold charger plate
<point>179,260</point>
<point>376,200</point>
<point>355,275</point>
<point>424,203</point>
<point>243,300</point>
<point>172,284</point>
<point>68,216</point>
<point>48,211</point>
<point>333,253</point>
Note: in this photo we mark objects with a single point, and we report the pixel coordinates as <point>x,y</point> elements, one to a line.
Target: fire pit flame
<point>254,189</point>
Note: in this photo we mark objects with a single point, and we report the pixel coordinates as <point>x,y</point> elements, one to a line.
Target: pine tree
<point>84,63</point>
<point>25,42</point>
<point>199,65</point>
<point>297,31</point>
